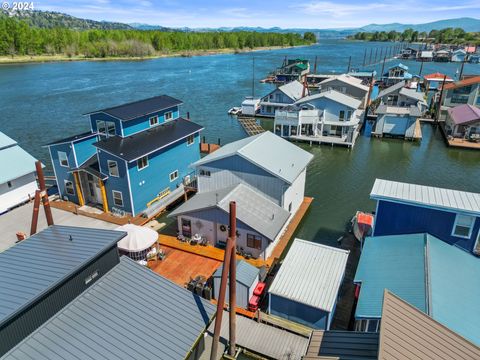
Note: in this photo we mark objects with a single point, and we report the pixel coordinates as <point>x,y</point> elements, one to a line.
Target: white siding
<point>295,193</point>
<point>22,190</point>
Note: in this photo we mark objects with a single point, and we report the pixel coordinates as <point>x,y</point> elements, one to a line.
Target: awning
<point>138,238</point>
<point>91,167</point>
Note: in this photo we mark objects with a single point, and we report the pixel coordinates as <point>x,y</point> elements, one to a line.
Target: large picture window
<point>463,226</point>
<point>254,241</point>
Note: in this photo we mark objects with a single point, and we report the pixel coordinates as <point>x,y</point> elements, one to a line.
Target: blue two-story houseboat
<point>134,155</point>
<point>450,215</point>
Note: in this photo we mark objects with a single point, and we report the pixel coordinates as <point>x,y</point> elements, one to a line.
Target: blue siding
<point>105,117</point>
<point>330,107</point>
<point>119,183</point>
<point>148,182</point>
<point>298,312</point>
<point>396,219</point>
<point>84,149</point>
<point>143,123</point>
<point>62,173</point>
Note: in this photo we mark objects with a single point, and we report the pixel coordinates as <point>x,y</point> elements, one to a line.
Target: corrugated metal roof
<point>464,114</point>
<point>393,262</point>
<point>426,195</point>
<point>6,141</point>
<point>333,95</point>
<point>413,94</point>
<point>391,89</point>
<point>347,79</point>
<point>139,108</point>
<point>246,273</point>
<point>269,152</point>
<point>143,143</point>
<point>407,333</point>
<point>455,288</point>
<point>311,274</point>
<point>15,162</point>
<point>37,264</point>
<point>264,339</point>
<point>399,110</point>
<point>253,209</point>
<point>342,345</point>
<point>293,89</point>
<point>129,313</point>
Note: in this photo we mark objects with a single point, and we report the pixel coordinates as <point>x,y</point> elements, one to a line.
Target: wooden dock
<point>342,319</point>
<point>250,125</point>
<point>417,133</point>
<point>206,148</point>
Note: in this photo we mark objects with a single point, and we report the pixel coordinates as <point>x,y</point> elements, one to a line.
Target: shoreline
<point>38,59</point>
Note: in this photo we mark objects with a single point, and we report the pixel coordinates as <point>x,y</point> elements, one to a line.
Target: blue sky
<point>265,13</point>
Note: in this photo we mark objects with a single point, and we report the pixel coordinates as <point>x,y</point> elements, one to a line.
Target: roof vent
<point>70,237</point>
<point>273,218</point>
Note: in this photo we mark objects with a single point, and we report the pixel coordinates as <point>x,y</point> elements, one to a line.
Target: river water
<point>43,102</point>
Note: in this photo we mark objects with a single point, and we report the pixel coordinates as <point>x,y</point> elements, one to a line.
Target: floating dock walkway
<point>250,125</point>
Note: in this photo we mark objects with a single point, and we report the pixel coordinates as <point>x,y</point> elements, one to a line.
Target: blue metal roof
<point>15,162</point>
<point>246,273</point>
<point>36,265</point>
<point>438,278</point>
<point>396,263</point>
<point>6,141</point>
<point>129,313</point>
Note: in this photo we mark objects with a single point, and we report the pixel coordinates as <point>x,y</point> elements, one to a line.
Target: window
<point>254,241</point>
<point>142,163</point>
<point>154,120</point>
<point>190,140</point>
<point>168,116</point>
<point>111,128</point>
<point>112,168</point>
<point>174,175</point>
<point>349,115</point>
<point>9,184</point>
<point>205,173</point>
<point>62,157</point>
<point>341,117</point>
<point>463,226</point>
<point>69,188</point>
<point>117,198</point>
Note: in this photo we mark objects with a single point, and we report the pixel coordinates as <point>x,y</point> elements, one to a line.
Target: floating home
<point>426,56</point>
<point>18,179</point>
<point>76,288</point>
<point>396,74</point>
<point>465,91</point>
<point>305,289</point>
<point>435,80</point>
<point>365,75</point>
<point>409,53</point>
<point>280,97</point>
<point>451,215</point>
<point>442,55</point>
<point>463,122</point>
<point>459,55</point>
<point>424,271</point>
<point>264,174</point>
<point>135,157</point>
<point>247,277</point>
<point>348,85</point>
<point>404,331</point>
<point>291,70</point>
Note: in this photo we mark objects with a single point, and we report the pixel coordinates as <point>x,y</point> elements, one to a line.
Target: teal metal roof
<point>6,141</point>
<point>455,288</point>
<point>15,162</point>
<point>396,263</point>
<point>438,278</point>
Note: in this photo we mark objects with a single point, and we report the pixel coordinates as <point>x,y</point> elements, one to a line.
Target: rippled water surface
<point>43,102</point>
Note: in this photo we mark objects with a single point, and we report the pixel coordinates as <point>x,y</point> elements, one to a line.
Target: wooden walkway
<point>250,125</point>
<point>215,253</point>
<point>74,208</point>
<point>417,133</point>
<point>342,319</point>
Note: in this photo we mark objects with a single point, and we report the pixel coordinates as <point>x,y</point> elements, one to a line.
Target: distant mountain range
<point>50,19</point>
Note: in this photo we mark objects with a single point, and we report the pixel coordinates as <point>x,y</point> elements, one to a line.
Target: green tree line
<point>445,36</point>
<point>18,38</point>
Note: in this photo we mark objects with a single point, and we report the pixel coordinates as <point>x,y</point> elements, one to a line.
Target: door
<point>94,191</point>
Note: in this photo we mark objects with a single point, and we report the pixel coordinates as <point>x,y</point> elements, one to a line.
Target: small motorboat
<point>234,111</point>
<point>362,224</point>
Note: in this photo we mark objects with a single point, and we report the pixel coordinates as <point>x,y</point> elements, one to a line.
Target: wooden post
<point>461,69</point>
<point>233,279</point>
<point>439,104</point>
<point>315,66</point>
<point>104,195</point>
<point>36,209</point>
<point>76,177</point>
<point>383,65</point>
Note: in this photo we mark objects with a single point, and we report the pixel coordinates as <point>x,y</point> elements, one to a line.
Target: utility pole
<point>42,195</point>
<point>439,104</point>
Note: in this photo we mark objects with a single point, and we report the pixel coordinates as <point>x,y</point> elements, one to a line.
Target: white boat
<point>234,110</point>
<point>362,224</point>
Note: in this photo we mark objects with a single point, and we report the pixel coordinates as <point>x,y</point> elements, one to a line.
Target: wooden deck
<point>417,133</point>
<point>206,148</point>
<point>74,208</point>
<point>461,143</point>
<point>342,319</point>
<point>250,125</point>
<point>181,266</point>
<point>217,254</point>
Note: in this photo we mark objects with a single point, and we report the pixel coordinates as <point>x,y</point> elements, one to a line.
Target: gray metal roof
<point>347,79</point>
<point>269,152</point>
<point>413,111</point>
<point>246,273</point>
<point>429,196</point>
<point>333,95</point>
<point>129,313</point>
<point>311,274</point>
<point>36,265</point>
<point>293,89</point>
<point>391,89</point>
<point>413,94</point>
<point>253,209</point>
<point>342,345</point>
<point>264,339</point>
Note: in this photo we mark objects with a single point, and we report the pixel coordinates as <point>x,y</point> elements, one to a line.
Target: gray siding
<point>235,170</point>
<point>242,293</point>
<point>351,90</point>
<point>19,327</point>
